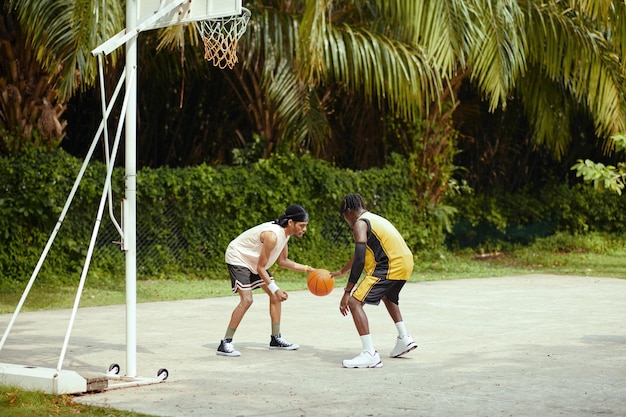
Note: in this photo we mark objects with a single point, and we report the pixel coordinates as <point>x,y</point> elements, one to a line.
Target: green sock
<point>229,333</point>
<point>275,329</point>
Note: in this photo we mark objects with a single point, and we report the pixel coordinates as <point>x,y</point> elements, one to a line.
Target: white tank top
<point>246,248</point>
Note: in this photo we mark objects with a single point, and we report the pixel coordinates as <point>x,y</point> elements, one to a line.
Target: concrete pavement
<point>537,345</point>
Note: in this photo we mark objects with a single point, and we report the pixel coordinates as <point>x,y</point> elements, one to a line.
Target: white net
<point>220,37</point>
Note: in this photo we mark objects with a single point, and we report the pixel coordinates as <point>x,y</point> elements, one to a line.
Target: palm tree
<point>537,51</point>
<point>46,56</point>
<point>403,61</point>
<point>574,56</point>
<point>557,59</point>
<point>30,115</point>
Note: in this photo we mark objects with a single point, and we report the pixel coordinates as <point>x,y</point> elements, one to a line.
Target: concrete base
<point>48,380</point>
<point>55,382</point>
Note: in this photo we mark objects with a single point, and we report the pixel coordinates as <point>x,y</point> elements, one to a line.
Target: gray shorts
<point>242,278</point>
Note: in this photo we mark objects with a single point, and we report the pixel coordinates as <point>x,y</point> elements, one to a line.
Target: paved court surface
<point>538,345</point>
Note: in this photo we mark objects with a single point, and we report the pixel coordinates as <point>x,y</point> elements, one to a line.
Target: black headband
<point>294,212</point>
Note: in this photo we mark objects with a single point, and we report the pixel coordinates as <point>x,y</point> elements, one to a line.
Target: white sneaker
<point>403,345</point>
<point>226,348</point>
<point>364,360</point>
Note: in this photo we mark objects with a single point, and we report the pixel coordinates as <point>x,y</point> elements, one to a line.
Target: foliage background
<point>413,104</point>
<point>187,216</point>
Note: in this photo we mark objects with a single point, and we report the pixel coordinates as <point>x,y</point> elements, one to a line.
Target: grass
<point>523,262</point>
<point>16,402</point>
<point>583,255</point>
<point>592,256</point>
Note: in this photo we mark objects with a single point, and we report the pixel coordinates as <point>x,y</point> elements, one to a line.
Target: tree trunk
<point>30,113</point>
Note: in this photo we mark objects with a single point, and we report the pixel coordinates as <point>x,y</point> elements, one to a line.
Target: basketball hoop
<point>220,37</point>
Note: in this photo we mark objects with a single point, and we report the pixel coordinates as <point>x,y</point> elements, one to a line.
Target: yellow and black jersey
<point>387,255</point>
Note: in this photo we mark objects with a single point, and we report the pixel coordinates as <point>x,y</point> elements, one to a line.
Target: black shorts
<point>242,278</point>
<point>372,289</point>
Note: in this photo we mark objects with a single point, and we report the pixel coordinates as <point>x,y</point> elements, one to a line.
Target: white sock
<point>401,329</point>
<point>368,344</point>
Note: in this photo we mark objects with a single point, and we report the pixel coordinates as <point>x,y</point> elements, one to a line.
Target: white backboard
<point>188,11</point>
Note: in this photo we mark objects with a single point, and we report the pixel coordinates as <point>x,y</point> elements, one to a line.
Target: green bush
<point>497,220</point>
<point>187,216</point>
<point>34,188</point>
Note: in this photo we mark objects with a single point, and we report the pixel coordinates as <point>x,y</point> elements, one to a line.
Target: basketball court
<point>514,346</point>
<point>537,345</point>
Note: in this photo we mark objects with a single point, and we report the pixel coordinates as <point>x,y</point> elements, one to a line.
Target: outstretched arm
<point>344,269</point>
<point>285,262</point>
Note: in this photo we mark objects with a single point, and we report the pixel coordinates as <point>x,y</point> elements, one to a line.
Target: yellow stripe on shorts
<point>365,286</point>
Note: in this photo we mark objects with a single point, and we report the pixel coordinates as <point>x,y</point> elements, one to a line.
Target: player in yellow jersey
<point>381,252</point>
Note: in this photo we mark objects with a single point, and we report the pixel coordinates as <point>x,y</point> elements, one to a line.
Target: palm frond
<point>283,94</point>
<point>312,46</point>
<point>571,51</point>
<point>548,110</point>
<point>448,32</point>
<point>498,57</point>
<point>400,19</point>
<point>271,36</point>
<point>63,33</point>
<point>384,69</point>
<point>616,35</point>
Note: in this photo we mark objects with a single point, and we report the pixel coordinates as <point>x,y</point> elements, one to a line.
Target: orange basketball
<point>320,282</point>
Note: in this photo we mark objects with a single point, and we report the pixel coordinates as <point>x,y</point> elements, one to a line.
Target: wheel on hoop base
<point>162,374</point>
<point>114,369</point>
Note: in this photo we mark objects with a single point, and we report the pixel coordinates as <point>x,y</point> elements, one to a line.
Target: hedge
<point>187,216</point>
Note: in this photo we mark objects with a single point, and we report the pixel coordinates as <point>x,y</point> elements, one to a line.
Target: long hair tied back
<point>294,212</point>
<point>352,202</point>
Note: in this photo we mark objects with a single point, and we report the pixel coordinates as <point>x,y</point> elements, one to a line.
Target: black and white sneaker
<point>226,348</point>
<point>277,342</point>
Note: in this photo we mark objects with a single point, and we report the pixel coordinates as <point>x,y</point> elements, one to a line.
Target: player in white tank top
<point>249,257</point>
<point>246,248</point>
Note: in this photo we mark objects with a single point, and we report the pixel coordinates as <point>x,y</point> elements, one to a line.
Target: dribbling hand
<point>282,295</point>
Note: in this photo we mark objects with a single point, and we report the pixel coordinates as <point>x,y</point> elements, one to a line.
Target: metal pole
<point>130,203</point>
<point>94,235</point>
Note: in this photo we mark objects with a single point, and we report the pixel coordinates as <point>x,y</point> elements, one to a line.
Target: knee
<point>246,302</point>
<point>353,303</point>
<point>274,299</point>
